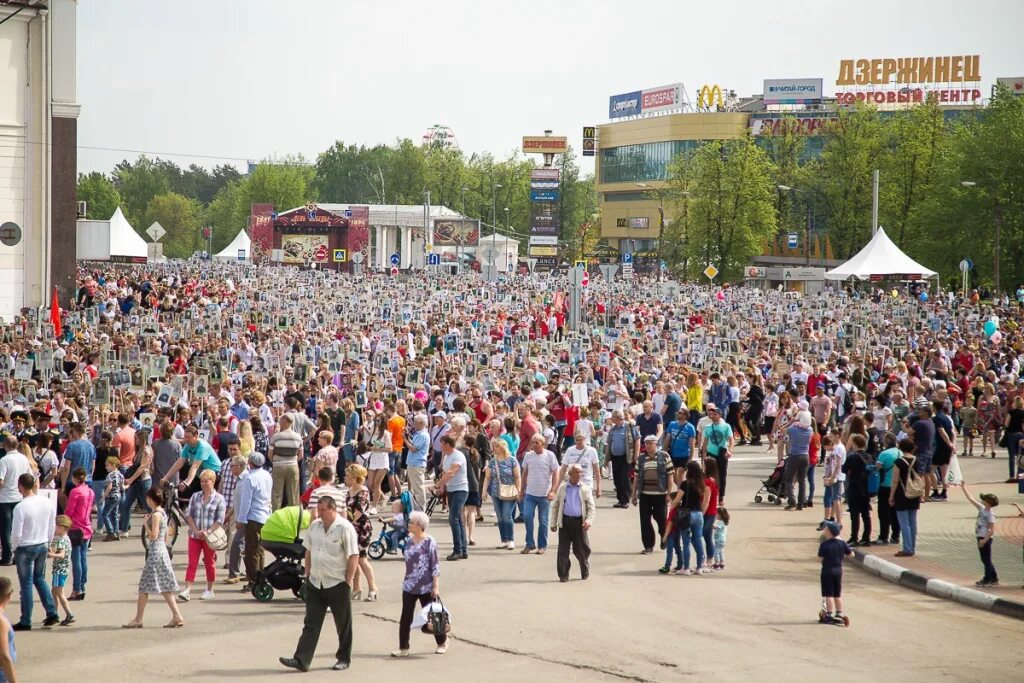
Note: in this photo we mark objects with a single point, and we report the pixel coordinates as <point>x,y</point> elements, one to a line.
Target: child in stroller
<point>774,487</point>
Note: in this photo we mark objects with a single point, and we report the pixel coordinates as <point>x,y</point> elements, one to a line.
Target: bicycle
<point>175,519</point>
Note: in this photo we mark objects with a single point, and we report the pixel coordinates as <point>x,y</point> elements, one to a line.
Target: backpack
<point>847,400</point>
<point>914,485</point>
<point>872,477</point>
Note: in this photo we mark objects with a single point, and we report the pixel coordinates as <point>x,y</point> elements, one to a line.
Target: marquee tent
<point>880,258</point>
<point>241,243</point>
<point>124,241</point>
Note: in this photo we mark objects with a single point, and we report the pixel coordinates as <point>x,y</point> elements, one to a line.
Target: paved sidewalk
<point>946,546</point>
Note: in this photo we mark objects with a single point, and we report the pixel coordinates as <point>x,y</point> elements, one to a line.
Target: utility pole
<point>874,202</point>
<point>998,221</point>
<point>427,236</point>
<point>807,237</point>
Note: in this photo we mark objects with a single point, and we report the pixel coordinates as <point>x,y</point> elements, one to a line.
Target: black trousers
<point>723,474</point>
<point>860,510</point>
<point>339,599</point>
<point>753,418</point>
<point>985,552</point>
<point>888,522</point>
<point>620,476</point>
<point>652,506</point>
<point>572,536</point>
<point>409,601</point>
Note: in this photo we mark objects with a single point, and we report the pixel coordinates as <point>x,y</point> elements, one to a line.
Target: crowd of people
<point>241,391</point>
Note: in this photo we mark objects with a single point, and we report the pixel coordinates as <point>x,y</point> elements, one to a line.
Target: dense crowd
<point>219,397</point>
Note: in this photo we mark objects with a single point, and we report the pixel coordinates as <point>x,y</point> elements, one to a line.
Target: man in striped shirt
<point>230,477</point>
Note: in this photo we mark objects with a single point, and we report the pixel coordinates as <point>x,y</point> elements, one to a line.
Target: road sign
<point>433,259</point>
<point>581,265</point>
<point>207,231</point>
<point>792,240</point>
<point>394,270</point>
<point>241,254</point>
<point>511,267</point>
<point>489,255</point>
<point>357,257</point>
<point>627,257</point>
<point>576,276</point>
<point>340,255</point>
<point>395,259</point>
<point>155,232</point>
<point>347,213</point>
<point>966,265</point>
<point>608,270</point>
<point>531,263</point>
<point>711,272</point>
<point>585,280</point>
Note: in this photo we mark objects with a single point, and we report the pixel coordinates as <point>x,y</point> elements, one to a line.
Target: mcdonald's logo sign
<point>710,96</point>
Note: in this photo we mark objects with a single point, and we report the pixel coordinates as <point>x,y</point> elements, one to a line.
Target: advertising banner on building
<point>546,174</point>
<point>543,184</point>
<point>545,218</point>
<point>649,101</point>
<point>456,232</point>
<point>548,241</point>
<point>627,104</point>
<point>543,251</point>
<point>1016,85</point>
<point>301,249</point>
<point>544,195</point>
<point>793,90</point>
<point>546,144</point>
<point>910,80</point>
<point>261,229</point>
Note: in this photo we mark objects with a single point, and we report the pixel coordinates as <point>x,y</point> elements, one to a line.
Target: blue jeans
<point>908,529</point>
<point>672,549</point>
<point>810,484</point>
<point>6,522</point>
<point>136,492</point>
<point>542,506</point>
<point>31,563</point>
<point>504,509</point>
<point>709,535</point>
<point>110,519</point>
<point>456,503</point>
<point>694,535</point>
<point>79,567</point>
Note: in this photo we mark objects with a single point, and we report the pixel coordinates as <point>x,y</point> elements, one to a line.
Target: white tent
<point>124,241</point>
<point>880,258</point>
<point>241,243</point>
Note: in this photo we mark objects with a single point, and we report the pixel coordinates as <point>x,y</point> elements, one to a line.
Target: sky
<point>223,81</point>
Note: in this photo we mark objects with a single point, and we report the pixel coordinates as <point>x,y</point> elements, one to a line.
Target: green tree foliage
<point>139,183</point>
<point>99,194</point>
<point>730,206</point>
<point>181,217</point>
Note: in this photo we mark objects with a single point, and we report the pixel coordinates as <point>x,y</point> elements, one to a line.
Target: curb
<point>890,571</point>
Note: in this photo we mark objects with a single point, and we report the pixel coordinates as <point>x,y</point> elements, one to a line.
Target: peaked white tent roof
<point>241,241</point>
<point>879,257</point>
<point>124,241</point>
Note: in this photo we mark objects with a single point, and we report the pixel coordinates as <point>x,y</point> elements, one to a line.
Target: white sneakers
<point>400,653</point>
<point>184,595</point>
<point>441,649</point>
<point>207,595</point>
<point>372,512</point>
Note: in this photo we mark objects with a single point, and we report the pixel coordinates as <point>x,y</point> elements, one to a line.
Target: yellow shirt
<point>695,398</point>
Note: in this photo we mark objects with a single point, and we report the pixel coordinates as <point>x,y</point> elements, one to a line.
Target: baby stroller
<point>774,486</point>
<point>285,572</point>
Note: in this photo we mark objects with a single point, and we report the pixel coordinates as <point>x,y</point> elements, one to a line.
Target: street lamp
<point>997,219</point>
<point>807,229</point>
<point>494,220</point>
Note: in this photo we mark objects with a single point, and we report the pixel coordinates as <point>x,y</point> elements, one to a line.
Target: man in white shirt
<point>35,519</point>
<point>12,466</point>
<point>540,482</point>
<point>584,455</point>
<point>332,555</point>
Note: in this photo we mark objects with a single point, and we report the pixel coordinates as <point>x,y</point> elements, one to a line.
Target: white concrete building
<point>38,152</point>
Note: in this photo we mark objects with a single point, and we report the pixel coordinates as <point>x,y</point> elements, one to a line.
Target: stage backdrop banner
<point>301,249</point>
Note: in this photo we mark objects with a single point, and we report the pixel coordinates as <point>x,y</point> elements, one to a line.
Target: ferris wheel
<point>439,135</point>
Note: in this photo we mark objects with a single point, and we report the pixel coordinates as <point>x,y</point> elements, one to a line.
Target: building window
<point>627,196</point>
<point>641,163</point>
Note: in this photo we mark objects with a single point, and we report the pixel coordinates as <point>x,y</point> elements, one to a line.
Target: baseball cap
<point>440,414</point>
<point>834,528</point>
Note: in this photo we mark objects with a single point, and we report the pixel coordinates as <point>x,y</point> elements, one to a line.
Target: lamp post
<point>458,246</point>
<point>997,220</point>
<point>807,229</point>
<point>508,229</point>
<point>494,221</point>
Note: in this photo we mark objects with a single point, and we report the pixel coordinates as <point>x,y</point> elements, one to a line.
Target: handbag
<point>217,539</point>
<point>505,491</point>
<point>438,620</point>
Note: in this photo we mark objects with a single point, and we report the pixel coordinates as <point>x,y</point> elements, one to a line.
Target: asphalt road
<point>512,618</point>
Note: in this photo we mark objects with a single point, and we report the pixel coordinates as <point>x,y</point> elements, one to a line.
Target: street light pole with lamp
<point>807,229</point>
<point>997,219</point>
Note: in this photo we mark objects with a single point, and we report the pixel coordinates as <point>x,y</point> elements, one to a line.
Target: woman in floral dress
<point>358,505</point>
<point>157,574</point>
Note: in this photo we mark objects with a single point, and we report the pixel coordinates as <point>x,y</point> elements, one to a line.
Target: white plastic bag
<point>953,474</point>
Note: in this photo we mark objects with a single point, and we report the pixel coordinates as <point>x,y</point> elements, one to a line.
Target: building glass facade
<point>641,163</point>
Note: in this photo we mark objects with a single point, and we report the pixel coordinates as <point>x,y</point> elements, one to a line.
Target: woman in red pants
<point>205,515</point>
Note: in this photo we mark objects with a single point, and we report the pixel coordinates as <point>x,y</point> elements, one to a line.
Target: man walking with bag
<point>332,555</point>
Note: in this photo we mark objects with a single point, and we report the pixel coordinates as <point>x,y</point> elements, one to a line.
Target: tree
<point>226,215</point>
<point>99,194</point>
<point>286,185</point>
<point>730,206</point>
<point>139,183</point>
<point>181,217</point>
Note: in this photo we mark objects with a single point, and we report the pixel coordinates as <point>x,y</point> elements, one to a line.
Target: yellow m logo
<point>708,95</point>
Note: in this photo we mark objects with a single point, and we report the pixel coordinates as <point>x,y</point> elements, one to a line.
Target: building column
<point>378,242</point>
<point>63,181</point>
<point>407,259</point>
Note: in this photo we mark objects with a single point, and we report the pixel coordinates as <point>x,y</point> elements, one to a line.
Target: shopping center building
<point>648,128</point>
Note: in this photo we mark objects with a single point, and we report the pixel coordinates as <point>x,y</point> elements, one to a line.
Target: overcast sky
<point>247,79</point>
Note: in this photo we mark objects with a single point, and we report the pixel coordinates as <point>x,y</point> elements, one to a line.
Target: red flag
<point>55,314</point>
